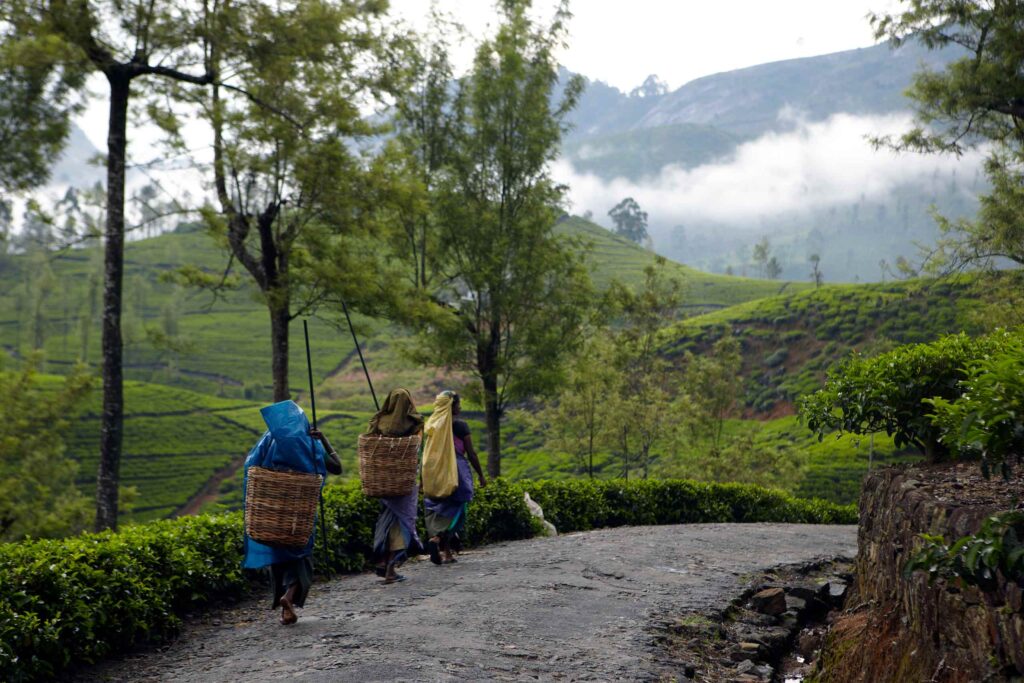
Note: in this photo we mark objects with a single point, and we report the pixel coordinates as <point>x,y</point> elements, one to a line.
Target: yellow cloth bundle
<point>440,471</point>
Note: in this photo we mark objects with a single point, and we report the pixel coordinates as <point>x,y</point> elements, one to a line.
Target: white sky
<point>621,42</point>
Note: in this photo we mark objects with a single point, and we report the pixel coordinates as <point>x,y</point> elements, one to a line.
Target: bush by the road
<point>70,602</point>
<point>889,392</point>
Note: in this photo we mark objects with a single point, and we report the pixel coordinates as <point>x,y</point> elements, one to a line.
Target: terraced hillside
<point>227,340</point>
<point>790,340</point>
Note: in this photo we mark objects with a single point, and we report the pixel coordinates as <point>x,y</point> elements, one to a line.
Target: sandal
<point>398,578</point>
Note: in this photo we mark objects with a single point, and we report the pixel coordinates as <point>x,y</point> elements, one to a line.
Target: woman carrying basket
<point>395,537</point>
<point>288,445</point>
<point>447,480</point>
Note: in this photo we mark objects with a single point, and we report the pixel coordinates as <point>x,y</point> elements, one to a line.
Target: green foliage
<point>988,416</point>
<point>38,497</point>
<point>975,560</point>
<point>75,601</point>
<point>887,392</point>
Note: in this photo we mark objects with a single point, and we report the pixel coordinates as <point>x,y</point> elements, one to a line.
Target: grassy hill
<point>790,340</point>
<point>614,257</point>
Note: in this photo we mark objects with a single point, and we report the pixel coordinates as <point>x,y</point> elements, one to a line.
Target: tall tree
<point>576,420</point>
<point>130,44</point>
<point>514,292</point>
<point>290,188</point>
<point>816,277</point>
<point>976,100</point>
<point>643,416</point>
<point>762,252</point>
<point>773,269</point>
<point>630,220</point>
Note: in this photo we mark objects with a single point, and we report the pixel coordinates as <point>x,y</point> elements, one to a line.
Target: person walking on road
<point>447,438</point>
<point>395,537</point>
<point>286,445</point>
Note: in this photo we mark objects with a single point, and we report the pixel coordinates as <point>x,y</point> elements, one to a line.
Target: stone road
<point>575,607</point>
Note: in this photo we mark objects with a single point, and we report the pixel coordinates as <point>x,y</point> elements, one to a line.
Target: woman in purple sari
<point>394,536</point>
<point>446,517</point>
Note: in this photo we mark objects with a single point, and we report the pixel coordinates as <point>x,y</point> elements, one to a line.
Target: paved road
<point>575,607</point>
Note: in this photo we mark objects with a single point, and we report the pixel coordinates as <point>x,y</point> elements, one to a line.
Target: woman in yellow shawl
<point>447,480</point>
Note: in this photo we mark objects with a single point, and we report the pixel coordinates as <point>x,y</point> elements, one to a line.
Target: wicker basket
<point>280,507</point>
<point>387,464</point>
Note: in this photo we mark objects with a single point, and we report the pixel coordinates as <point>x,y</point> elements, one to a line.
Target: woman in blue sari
<point>288,444</point>
<point>446,517</point>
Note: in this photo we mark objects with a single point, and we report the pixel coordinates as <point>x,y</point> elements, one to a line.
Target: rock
<point>803,592</point>
<point>795,603</point>
<point>745,666</point>
<point>836,592</point>
<point>790,620</point>
<point>769,601</point>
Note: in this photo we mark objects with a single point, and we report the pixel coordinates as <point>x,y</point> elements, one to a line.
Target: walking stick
<point>360,352</point>
<point>312,404</point>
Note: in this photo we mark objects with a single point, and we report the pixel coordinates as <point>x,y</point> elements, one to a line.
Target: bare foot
<point>288,615</point>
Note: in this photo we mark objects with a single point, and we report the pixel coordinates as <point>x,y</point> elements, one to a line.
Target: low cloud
<point>815,165</point>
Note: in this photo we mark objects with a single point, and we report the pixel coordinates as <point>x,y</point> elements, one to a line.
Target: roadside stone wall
<point>899,629</point>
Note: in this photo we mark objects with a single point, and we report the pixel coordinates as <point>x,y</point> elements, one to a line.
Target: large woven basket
<point>280,507</point>
<point>387,464</point>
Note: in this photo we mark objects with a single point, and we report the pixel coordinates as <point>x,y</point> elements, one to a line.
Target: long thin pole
<point>360,352</point>
<point>312,405</point>
<point>309,368</point>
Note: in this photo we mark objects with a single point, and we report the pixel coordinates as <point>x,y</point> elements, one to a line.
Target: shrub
<point>887,392</point>
<point>988,417</point>
<point>777,357</point>
<point>74,601</point>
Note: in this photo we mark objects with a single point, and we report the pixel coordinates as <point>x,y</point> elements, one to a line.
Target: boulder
<point>770,601</point>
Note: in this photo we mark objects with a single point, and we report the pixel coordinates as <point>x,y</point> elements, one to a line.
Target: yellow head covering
<point>440,471</point>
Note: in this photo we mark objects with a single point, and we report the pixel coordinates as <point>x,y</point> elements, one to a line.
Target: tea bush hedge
<point>70,602</point>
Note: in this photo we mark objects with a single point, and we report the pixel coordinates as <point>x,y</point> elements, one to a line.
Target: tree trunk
<point>493,419</point>
<point>112,420</point>
<point>279,319</point>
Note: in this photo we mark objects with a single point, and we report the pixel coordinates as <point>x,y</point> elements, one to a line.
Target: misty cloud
<point>815,165</point>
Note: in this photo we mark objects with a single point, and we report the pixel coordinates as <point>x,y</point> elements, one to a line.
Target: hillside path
<point>576,607</point>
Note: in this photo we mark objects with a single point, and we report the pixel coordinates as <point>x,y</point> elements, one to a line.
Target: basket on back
<point>280,507</point>
<point>387,464</point>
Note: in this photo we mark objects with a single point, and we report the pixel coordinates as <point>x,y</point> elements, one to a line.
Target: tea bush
<point>888,392</point>
<point>71,602</point>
